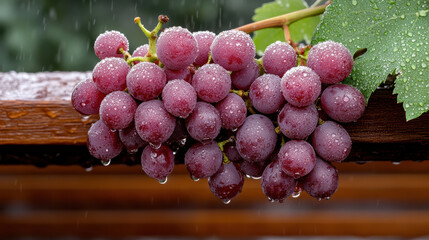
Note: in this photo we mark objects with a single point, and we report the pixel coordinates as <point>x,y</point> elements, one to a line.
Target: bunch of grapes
<point>203,99</point>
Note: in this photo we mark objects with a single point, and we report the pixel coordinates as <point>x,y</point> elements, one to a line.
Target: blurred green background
<point>50,35</point>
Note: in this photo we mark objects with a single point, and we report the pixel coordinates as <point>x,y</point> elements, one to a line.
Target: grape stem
<point>282,20</point>
<point>221,144</point>
<point>152,36</point>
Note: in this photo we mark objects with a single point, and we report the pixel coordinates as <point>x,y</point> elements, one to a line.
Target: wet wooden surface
<point>373,199</point>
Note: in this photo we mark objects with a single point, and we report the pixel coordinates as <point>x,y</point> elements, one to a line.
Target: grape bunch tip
<point>203,100</point>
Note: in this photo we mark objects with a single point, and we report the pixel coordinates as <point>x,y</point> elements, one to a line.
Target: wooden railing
<point>39,131</point>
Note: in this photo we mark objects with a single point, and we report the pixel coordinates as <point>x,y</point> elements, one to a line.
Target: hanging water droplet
<point>226,201</point>
<point>297,193</point>
<point>182,142</point>
<point>105,162</point>
<point>132,151</point>
<point>396,162</point>
<point>89,169</point>
<point>195,179</point>
<point>163,181</point>
<point>155,146</point>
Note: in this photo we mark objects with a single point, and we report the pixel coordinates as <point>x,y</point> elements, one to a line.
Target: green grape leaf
<point>396,36</point>
<point>299,30</point>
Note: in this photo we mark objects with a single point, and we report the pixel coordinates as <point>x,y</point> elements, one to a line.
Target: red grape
<point>108,44</point>
<point>331,142</point>
<point>176,48</point>
<point>331,61</point>
<point>211,82</point>
<point>103,143</point>
<point>343,103</point>
<point>145,81</point>
<point>226,183</point>
<point>301,86</point>
<point>86,98</point>
<point>203,160</point>
<point>110,74</point>
<point>278,58</point>
<point>153,123</point>
<point>233,49</point>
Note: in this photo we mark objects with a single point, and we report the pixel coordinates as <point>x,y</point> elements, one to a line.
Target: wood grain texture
<point>373,199</point>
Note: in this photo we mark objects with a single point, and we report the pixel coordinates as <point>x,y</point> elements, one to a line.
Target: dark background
<point>49,35</point>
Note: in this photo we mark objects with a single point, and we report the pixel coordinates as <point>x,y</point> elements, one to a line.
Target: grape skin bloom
<point>332,61</point>
<point>331,142</point>
<point>176,48</point>
<point>256,138</point>
<point>153,123</point>
<point>343,103</point>
<point>233,49</point>
<point>211,82</point>
<point>300,86</point>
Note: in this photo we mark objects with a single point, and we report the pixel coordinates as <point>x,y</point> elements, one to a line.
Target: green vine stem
<point>152,36</point>
<point>282,20</point>
<point>221,144</point>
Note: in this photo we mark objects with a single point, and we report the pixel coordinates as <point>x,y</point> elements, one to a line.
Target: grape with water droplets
<point>204,123</point>
<point>243,78</point>
<point>145,81</point>
<point>300,86</point>
<point>153,123</point>
<point>343,103</point>
<point>231,152</point>
<point>203,160</point>
<point>86,98</point>
<point>227,182</point>
<point>322,181</point>
<point>211,82</point>
<point>110,74</point>
<point>179,98</point>
<point>109,43</point>
<point>184,74</point>
<point>233,49</point>
<point>297,123</point>
<point>103,143</point>
<point>131,139</point>
<point>141,51</point>
<point>176,48</point>
<point>256,138</point>
<point>331,61</point>
<point>157,163</point>
<point>265,94</point>
<point>275,184</point>
<point>278,58</point>
<point>117,110</point>
<point>232,110</point>
<point>204,40</point>
<point>296,158</point>
<point>331,142</point>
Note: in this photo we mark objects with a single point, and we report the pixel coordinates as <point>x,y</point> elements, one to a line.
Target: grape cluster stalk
<point>203,99</point>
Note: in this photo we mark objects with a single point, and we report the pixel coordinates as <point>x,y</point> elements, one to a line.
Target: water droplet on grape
<point>163,181</point>
<point>155,146</point>
<point>297,193</point>
<point>226,201</point>
<point>106,162</point>
<point>89,169</point>
<point>195,179</point>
